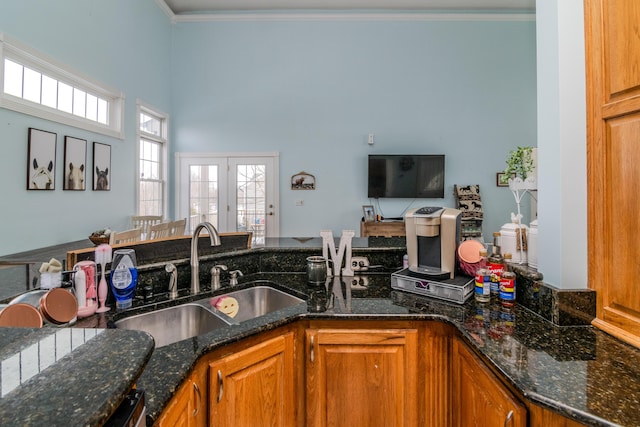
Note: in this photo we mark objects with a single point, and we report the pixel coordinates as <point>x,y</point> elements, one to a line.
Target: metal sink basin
<point>174,324</point>
<point>254,302</point>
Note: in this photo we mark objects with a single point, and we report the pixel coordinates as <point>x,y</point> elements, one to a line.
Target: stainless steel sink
<point>184,321</point>
<point>174,324</point>
<point>258,301</point>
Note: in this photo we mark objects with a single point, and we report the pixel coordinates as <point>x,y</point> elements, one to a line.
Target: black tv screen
<point>406,176</point>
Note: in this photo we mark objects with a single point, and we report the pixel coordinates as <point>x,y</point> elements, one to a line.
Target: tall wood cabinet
<point>613,155</point>
<point>362,377</point>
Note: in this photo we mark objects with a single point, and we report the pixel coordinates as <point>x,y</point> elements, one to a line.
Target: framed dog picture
<point>101,167</point>
<point>41,158</point>
<point>75,163</point>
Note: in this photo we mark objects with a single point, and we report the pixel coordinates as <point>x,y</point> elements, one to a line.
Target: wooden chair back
<point>127,236</point>
<point>158,231</point>
<point>176,228</point>
<point>144,222</point>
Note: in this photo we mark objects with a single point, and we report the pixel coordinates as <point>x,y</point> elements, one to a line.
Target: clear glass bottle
<point>495,263</point>
<point>483,279</point>
<point>508,284</point>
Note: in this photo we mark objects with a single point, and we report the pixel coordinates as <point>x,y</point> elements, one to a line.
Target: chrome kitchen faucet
<point>195,262</point>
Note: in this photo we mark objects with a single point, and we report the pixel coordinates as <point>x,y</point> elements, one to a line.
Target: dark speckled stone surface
<point>69,376</point>
<point>577,371</point>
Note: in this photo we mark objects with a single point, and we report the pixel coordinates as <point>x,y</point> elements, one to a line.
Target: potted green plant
<point>520,164</point>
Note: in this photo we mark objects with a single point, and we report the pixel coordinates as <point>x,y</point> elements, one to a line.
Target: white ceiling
<point>202,6</point>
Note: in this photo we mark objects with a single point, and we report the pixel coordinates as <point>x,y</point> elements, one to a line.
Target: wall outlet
<point>359,283</point>
<point>359,263</point>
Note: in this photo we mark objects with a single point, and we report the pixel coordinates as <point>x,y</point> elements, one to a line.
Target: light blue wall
<point>124,44</point>
<point>309,90</point>
<point>313,91</point>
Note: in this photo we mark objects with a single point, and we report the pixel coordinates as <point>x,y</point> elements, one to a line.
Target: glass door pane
<point>203,195</point>
<point>251,208</point>
<point>233,193</point>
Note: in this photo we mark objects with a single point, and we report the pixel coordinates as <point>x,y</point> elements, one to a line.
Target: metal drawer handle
<point>312,347</point>
<point>197,390</point>
<point>509,418</point>
<point>220,386</point>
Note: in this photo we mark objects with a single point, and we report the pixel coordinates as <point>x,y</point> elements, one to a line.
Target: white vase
<point>531,183</point>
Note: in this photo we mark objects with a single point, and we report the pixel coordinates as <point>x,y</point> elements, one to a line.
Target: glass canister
<point>317,269</point>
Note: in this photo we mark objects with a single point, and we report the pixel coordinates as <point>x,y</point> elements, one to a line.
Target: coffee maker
<point>432,235</point>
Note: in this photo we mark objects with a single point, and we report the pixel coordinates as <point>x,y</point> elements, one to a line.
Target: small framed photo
<point>501,181</point>
<point>303,181</point>
<point>75,161</point>
<point>41,158</point>
<point>369,213</point>
<point>101,167</point>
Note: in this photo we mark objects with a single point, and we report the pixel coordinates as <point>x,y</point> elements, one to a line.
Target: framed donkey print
<point>101,167</point>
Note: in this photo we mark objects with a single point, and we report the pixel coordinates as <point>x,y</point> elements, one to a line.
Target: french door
<point>234,192</point>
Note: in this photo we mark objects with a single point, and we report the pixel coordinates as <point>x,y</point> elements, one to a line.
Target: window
<point>152,168</point>
<point>36,85</point>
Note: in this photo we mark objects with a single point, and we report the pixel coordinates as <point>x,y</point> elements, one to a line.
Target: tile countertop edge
<point>82,388</point>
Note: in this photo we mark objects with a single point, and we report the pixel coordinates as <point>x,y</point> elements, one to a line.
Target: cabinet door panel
<point>613,117</point>
<point>479,398</point>
<point>188,408</point>
<point>254,387</point>
<point>361,377</point>
<point>621,46</point>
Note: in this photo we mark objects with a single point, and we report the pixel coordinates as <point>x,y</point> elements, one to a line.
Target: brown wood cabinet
<point>479,398</point>
<point>254,387</point>
<point>362,377</point>
<point>382,228</point>
<point>188,407</point>
<point>541,417</point>
<point>613,126</point>
<point>364,373</point>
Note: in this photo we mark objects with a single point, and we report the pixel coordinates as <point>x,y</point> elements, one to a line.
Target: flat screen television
<point>406,176</point>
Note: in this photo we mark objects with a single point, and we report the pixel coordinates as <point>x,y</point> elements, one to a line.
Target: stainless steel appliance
<point>131,412</point>
<point>433,234</point>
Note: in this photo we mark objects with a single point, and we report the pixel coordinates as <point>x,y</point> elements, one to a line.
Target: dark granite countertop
<point>67,376</point>
<point>579,372</point>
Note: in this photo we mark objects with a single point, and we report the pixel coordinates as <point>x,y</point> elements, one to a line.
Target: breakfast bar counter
<point>578,372</point>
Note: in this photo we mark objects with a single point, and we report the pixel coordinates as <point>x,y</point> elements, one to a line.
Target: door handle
<point>220,386</point>
<point>197,391</point>
<point>508,420</point>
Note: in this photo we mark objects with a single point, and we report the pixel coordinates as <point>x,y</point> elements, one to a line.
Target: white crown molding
<point>167,10</point>
<point>409,16</point>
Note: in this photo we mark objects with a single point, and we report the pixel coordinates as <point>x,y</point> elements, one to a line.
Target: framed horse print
<point>75,163</point>
<point>101,167</point>
<point>41,158</point>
